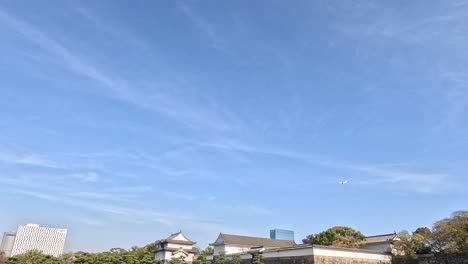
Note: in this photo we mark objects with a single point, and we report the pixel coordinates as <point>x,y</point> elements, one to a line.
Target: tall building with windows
<point>281,234</point>
<point>7,243</point>
<point>31,236</point>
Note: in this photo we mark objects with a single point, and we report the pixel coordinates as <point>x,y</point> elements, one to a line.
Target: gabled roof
<point>177,238</point>
<point>225,239</point>
<point>381,238</point>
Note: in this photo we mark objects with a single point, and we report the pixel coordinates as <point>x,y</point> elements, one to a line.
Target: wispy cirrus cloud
<point>179,195</point>
<point>101,201</point>
<point>155,99</point>
<point>203,25</point>
<point>86,177</point>
<point>91,221</point>
<point>30,159</point>
<point>24,156</point>
<point>394,176</point>
<point>435,42</point>
<point>60,186</point>
<point>130,213</point>
<point>405,179</point>
<point>118,32</point>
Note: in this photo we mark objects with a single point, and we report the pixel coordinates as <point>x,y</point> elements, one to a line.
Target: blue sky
<point>126,121</point>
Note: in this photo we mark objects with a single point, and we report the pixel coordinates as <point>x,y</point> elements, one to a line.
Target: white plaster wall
<point>321,252</point>
<point>218,249</point>
<point>163,255</point>
<point>190,257</point>
<point>172,245</point>
<point>230,249</point>
<point>309,251</point>
<point>242,256</point>
<point>350,254</point>
<point>236,249</point>
<point>288,253</point>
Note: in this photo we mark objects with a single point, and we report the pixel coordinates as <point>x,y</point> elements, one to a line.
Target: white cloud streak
<point>384,176</point>
<point>31,159</point>
<point>438,38</point>
<point>99,202</point>
<point>117,31</point>
<point>203,25</point>
<point>182,111</point>
<point>86,177</point>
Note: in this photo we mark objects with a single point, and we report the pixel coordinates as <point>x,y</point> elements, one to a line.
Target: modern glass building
<point>281,234</point>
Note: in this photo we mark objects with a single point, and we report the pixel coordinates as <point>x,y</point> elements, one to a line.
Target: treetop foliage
<point>236,259</point>
<point>257,258</point>
<point>207,251</point>
<point>449,235</point>
<point>136,255</point>
<point>340,236</point>
<point>220,259</point>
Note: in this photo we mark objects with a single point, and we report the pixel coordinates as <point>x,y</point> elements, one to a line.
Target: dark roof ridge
<point>175,234</point>
<point>252,241</point>
<point>390,234</point>
<point>255,237</point>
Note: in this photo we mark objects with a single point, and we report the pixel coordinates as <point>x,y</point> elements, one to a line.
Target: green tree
<point>136,255</point>
<point>202,259</point>
<point>144,254</point>
<point>68,258</point>
<point>450,235</point>
<point>48,259</point>
<point>340,236</point>
<point>33,257</point>
<point>177,261</point>
<point>403,244</point>
<point>257,258</point>
<point>421,240</point>
<point>220,259</point>
<point>424,231</point>
<point>85,258</point>
<point>207,251</point>
<point>309,239</point>
<point>236,259</point>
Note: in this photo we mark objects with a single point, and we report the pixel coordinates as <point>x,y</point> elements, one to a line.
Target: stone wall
<point>339,260</point>
<point>433,259</point>
<point>290,260</point>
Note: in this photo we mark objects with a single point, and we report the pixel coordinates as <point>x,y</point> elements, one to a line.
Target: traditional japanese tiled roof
<point>252,241</point>
<point>381,238</point>
<point>172,239</point>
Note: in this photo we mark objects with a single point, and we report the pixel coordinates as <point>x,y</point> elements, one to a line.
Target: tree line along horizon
<point>449,235</point>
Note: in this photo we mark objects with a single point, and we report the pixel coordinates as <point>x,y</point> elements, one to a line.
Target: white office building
<point>31,236</point>
<point>7,243</point>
